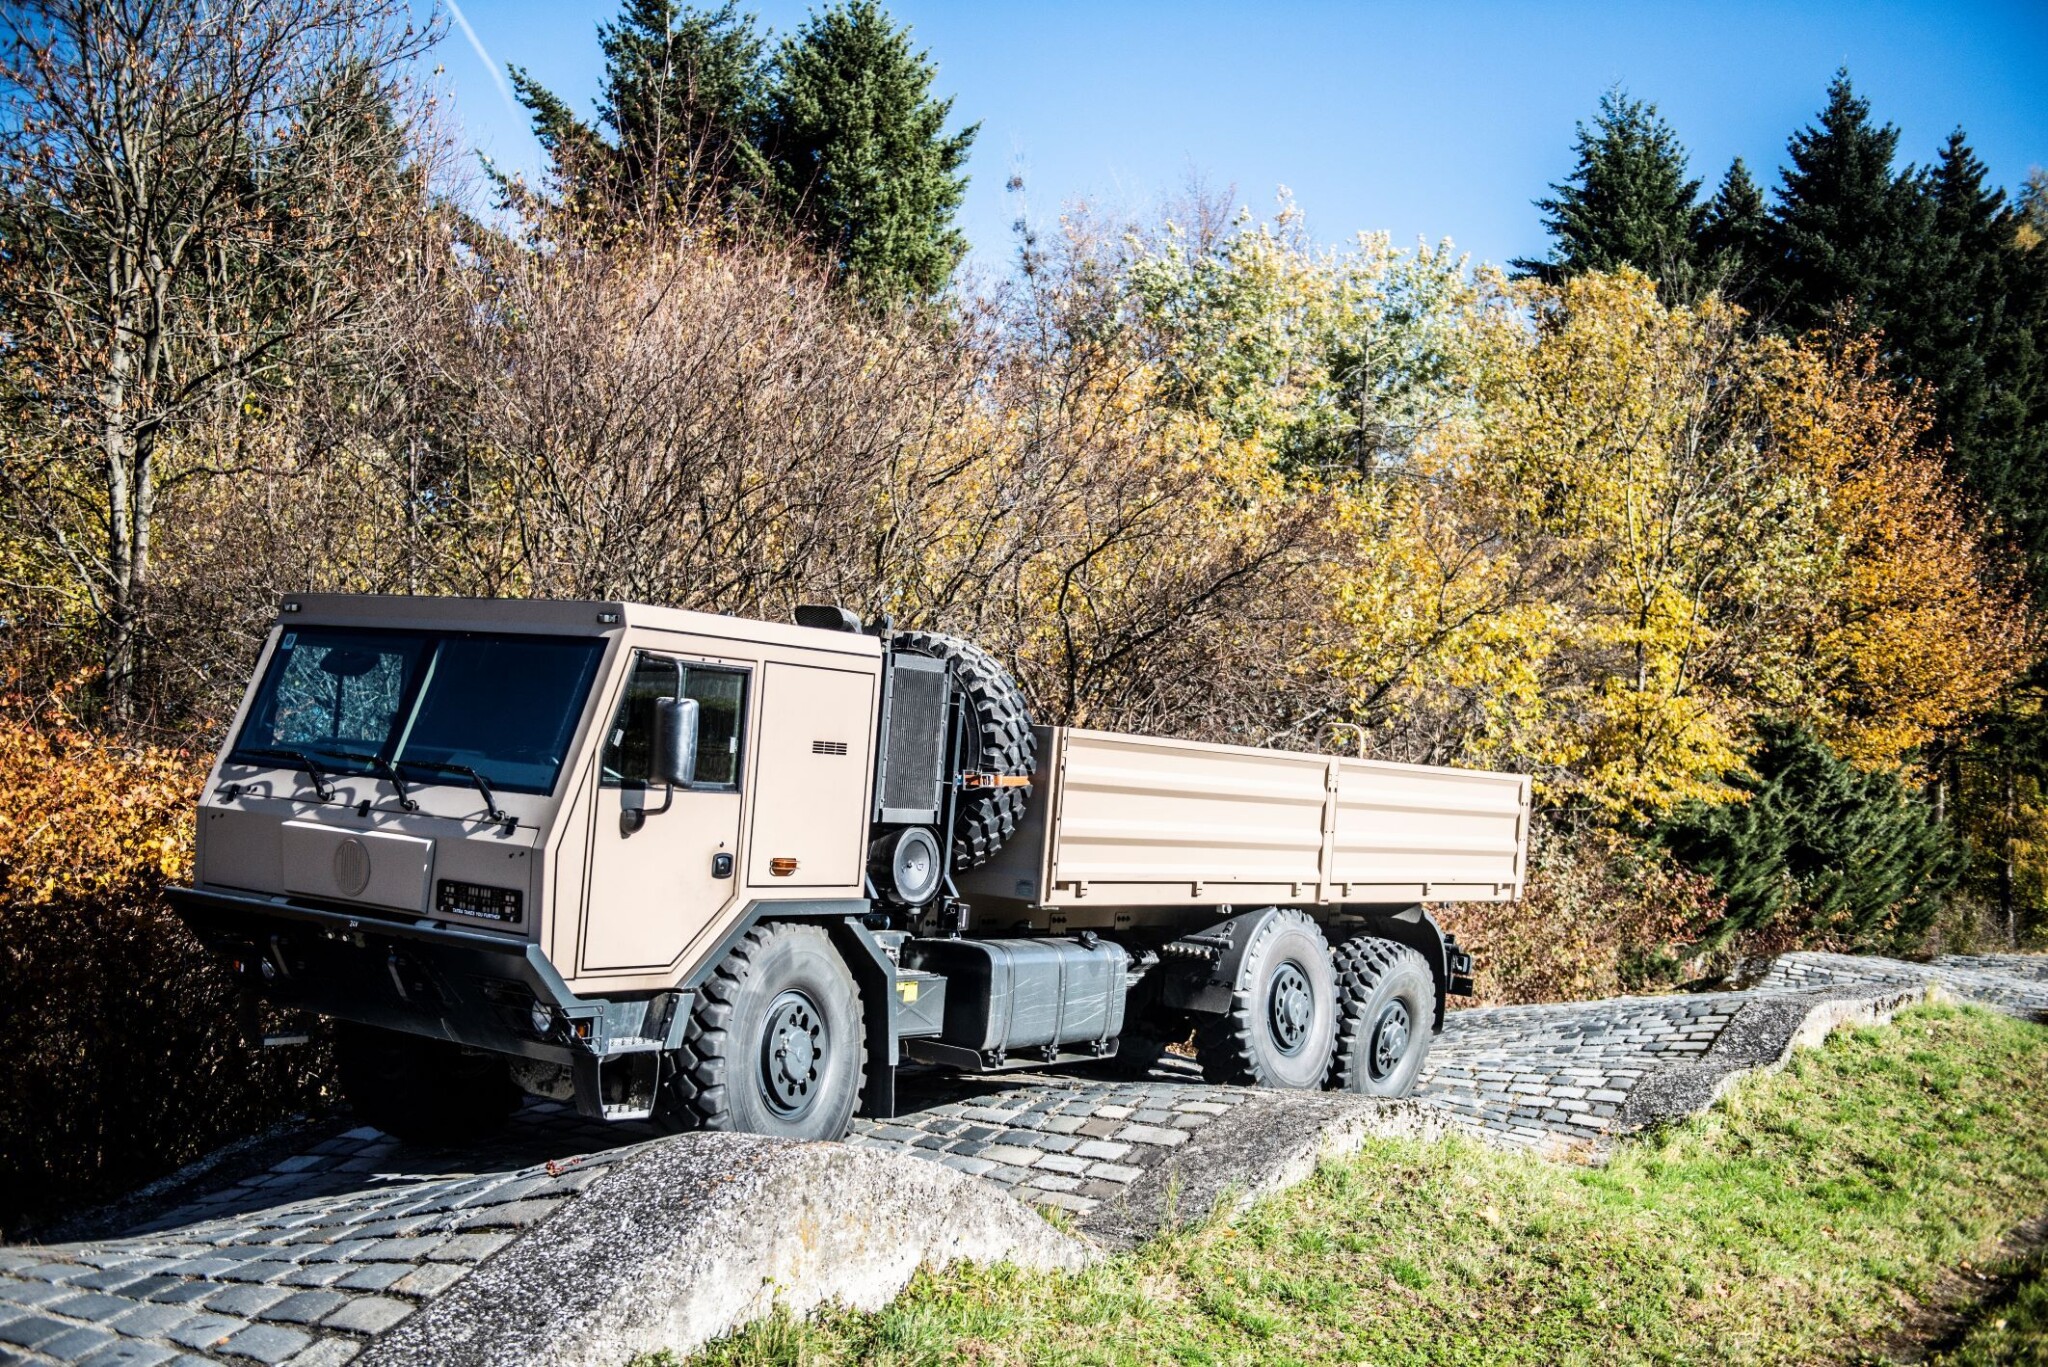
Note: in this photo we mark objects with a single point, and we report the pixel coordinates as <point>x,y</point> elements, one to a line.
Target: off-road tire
<point>1386,1003</point>
<point>999,741</point>
<point>1249,1046</point>
<point>424,1091</point>
<point>724,1076</point>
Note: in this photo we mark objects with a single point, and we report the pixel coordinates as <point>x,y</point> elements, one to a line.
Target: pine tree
<point>1734,237</point>
<point>1950,310</point>
<point>682,90</point>
<point>1627,201</point>
<point>1844,230</point>
<point>859,156</point>
<point>1848,853</point>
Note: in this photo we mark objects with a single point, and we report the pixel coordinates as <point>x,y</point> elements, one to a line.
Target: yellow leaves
<point>1651,528</point>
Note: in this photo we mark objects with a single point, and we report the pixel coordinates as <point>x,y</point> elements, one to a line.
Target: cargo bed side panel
<point>1408,833</point>
<point>1147,824</point>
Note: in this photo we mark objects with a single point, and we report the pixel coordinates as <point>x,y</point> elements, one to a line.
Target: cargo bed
<point>1122,828</point>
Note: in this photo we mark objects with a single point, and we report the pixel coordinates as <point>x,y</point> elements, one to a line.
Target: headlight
<point>542,1018</point>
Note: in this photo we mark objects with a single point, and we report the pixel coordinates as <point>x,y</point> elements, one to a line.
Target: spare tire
<point>1000,741</point>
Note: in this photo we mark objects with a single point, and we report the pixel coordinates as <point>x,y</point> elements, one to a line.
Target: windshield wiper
<point>321,788</point>
<point>494,813</point>
<point>387,769</point>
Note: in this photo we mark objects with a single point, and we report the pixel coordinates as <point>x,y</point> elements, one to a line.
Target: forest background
<point>1727,519</point>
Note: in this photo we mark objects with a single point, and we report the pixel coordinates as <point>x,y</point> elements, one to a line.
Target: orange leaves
<point>1921,622</point>
<point>84,816</point>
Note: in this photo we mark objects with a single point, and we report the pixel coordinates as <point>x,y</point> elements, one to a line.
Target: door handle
<point>721,865</point>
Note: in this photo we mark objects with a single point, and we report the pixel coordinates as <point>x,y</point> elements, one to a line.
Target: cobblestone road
<point>306,1259</point>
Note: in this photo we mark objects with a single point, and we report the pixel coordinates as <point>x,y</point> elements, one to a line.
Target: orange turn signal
<point>782,868</point>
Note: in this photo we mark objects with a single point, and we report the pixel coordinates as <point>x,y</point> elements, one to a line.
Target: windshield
<point>353,700</point>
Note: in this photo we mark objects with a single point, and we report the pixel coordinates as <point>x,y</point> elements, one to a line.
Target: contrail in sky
<point>497,74</point>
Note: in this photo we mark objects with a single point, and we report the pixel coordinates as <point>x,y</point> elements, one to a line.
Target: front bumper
<point>469,987</point>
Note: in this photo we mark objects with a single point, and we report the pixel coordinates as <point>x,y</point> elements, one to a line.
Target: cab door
<point>664,859</point>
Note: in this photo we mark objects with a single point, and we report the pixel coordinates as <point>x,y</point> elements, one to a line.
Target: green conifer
<point>860,159</point>
<point>1627,202</point>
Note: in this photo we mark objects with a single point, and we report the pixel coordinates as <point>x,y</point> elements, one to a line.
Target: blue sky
<point>1418,119</point>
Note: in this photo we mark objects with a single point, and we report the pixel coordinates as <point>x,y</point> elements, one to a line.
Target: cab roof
<point>554,616</point>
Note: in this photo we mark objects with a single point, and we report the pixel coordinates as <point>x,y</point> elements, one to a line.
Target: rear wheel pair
<point>1356,1019</point>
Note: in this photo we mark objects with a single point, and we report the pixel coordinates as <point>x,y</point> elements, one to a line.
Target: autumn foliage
<point>122,1051</point>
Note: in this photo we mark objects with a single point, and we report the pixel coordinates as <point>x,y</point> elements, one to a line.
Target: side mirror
<point>675,740</point>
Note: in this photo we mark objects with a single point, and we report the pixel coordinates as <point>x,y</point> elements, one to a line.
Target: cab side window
<point>721,696</point>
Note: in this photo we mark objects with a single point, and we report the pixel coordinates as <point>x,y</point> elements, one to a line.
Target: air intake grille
<point>911,776</point>
<point>828,747</point>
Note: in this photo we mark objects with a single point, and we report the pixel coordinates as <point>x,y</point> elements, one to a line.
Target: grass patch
<point>1803,1220</point>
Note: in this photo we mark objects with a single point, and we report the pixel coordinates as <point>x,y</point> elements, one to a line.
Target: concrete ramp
<point>691,1237</point>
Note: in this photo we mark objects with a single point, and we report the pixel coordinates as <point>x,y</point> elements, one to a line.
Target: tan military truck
<point>733,874</point>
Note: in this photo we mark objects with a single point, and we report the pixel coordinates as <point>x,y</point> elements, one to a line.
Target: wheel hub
<point>795,1050</point>
<point>1390,1040</point>
<point>1289,1008</point>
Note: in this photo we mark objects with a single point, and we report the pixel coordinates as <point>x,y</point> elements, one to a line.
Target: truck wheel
<point>999,742</point>
<point>775,1043</point>
<point>424,1091</point>
<point>1386,1007</point>
<point>1282,1021</point>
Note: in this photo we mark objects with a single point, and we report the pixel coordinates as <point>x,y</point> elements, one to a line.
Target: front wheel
<point>1387,1004</point>
<point>425,1091</point>
<point>775,1043</point>
<point>1282,1019</point>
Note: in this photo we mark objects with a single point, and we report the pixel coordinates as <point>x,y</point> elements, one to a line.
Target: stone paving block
<point>469,1248</point>
<point>1102,1149</point>
<point>315,1274</point>
<point>34,1293</point>
<point>205,1331</point>
<point>1115,1172</point>
<point>79,1343</point>
<point>110,1279</point>
<point>368,1315</point>
<point>31,1329</point>
<point>267,1343</point>
<point>430,1280</point>
<point>304,1307</point>
<point>401,1250</point>
<point>1151,1134</point>
<point>374,1276</point>
<point>93,1307</point>
<point>247,1301</point>
<point>1014,1155</point>
<point>1067,1200</point>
